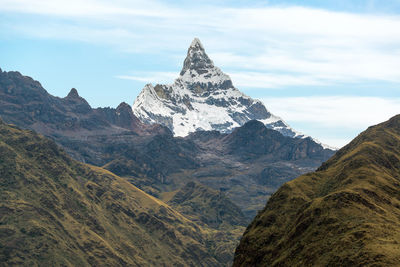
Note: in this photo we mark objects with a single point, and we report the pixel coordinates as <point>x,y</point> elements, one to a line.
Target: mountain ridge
<point>346,213</point>
<point>149,155</point>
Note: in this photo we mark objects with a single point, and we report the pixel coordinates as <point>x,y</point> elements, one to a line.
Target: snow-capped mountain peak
<point>203,98</point>
<point>196,58</point>
<point>199,68</point>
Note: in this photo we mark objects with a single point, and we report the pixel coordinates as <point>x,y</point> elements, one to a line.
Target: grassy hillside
<point>347,213</point>
<point>207,206</point>
<point>211,209</point>
<point>55,211</point>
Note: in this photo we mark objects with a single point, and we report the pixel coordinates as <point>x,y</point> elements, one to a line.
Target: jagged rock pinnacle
<point>124,107</point>
<point>73,93</point>
<point>196,58</point>
<point>196,43</point>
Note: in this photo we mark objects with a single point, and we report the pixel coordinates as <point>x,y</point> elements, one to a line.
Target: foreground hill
<point>347,213</point>
<point>55,211</point>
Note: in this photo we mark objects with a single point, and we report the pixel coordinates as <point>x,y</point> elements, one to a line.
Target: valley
<point>127,187</point>
<point>199,133</point>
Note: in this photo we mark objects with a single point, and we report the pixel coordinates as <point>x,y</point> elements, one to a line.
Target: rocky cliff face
<point>202,98</point>
<point>254,139</point>
<point>347,213</point>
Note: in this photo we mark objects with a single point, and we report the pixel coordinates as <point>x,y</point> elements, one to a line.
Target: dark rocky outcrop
<point>254,139</point>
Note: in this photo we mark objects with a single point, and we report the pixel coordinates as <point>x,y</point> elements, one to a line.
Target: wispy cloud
<point>266,47</point>
<point>87,8</point>
<point>335,111</point>
<point>340,114</point>
<point>150,77</point>
<point>240,79</point>
<point>272,80</point>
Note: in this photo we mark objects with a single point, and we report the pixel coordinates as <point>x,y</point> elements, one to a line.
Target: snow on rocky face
<point>202,98</point>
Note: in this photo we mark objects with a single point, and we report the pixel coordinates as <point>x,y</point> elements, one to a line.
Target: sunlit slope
<point>347,213</point>
<point>56,211</point>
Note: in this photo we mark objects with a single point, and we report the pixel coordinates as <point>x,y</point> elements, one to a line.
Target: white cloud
<point>151,77</point>
<point>240,79</point>
<point>335,143</point>
<point>351,112</point>
<point>87,8</point>
<point>340,114</point>
<point>276,46</point>
<point>271,80</point>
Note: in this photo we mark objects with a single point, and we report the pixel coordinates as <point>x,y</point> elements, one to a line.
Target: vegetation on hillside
<point>55,211</point>
<point>347,213</point>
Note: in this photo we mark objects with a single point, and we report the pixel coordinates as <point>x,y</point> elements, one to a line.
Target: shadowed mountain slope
<point>250,163</point>
<point>347,213</point>
<point>70,120</point>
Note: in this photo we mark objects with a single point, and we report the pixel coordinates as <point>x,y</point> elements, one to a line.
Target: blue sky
<point>329,68</point>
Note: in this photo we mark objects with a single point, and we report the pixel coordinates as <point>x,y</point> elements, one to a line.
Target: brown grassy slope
<point>55,211</point>
<point>212,210</point>
<point>207,206</point>
<point>347,213</point>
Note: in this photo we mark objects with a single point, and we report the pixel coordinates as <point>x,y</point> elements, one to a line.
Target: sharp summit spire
<point>196,58</point>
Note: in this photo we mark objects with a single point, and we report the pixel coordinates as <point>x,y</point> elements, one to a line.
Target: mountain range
<point>200,187</point>
<point>150,156</point>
